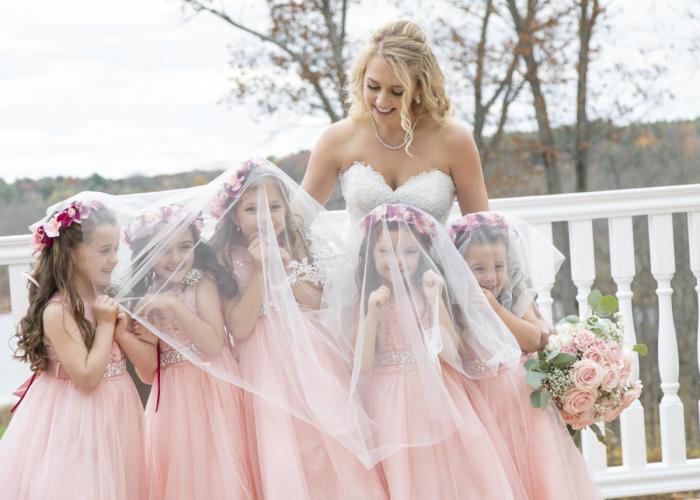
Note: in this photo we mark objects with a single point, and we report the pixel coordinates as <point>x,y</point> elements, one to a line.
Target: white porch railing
<point>635,476</point>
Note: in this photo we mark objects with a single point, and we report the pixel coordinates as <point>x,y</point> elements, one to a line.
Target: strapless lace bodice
<point>364,189</point>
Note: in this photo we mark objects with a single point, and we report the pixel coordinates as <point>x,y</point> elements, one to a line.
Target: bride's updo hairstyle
<point>406,48</point>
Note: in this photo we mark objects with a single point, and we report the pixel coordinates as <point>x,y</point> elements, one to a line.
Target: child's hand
<point>143,333</point>
<point>378,299</point>
<point>105,310</point>
<point>286,258</point>
<point>256,250</point>
<point>432,285</point>
<point>490,297</point>
<point>122,322</point>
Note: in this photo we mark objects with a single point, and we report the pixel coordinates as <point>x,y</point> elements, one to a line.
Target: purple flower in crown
<point>44,234</point>
<point>232,187</point>
<point>146,225</point>
<point>473,221</point>
<point>399,213</point>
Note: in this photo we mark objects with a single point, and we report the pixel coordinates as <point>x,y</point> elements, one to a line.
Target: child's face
<point>174,263</point>
<point>489,265</point>
<point>404,247</point>
<point>96,258</point>
<point>246,211</point>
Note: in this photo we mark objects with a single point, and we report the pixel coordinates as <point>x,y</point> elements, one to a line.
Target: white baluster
<point>19,300</point>
<point>694,246</point>
<point>583,275</point>
<point>543,275</point>
<point>663,267</point>
<point>633,437</point>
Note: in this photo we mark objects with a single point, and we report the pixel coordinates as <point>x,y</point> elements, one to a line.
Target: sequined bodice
<point>389,334</point>
<point>364,189</point>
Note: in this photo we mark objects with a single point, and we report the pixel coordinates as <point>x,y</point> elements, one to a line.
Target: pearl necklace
<point>389,146</point>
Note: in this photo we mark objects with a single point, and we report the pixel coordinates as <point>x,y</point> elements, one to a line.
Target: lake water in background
<point>12,372</point>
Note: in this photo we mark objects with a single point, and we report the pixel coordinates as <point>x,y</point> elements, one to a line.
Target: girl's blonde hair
<point>405,47</point>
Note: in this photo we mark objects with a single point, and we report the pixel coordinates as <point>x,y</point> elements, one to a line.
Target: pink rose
<point>611,378</point>
<point>587,374</point>
<point>614,354</point>
<point>569,349</point>
<point>631,395</point>
<point>584,339</point>
<point>599,345</point>
<point>579,420</point>
<point>578,401</point>
<point>594,355</point>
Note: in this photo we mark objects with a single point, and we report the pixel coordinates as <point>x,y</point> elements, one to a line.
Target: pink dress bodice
<point>171,326</point>
<point>117,358</point>
<point>392,346</point>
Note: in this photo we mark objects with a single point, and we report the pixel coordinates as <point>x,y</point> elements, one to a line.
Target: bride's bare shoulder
<point>455,132</point>
<point>336,141</point>
<point>339,132</point>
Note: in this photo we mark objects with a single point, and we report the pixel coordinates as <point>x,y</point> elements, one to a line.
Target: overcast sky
<point>134,86</point>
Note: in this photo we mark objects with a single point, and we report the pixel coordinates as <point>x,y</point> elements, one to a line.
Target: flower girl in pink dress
<point>305,435</point>
<point>195,433</point>
<point>78,432</point>
<point>399,286</point>
<point>499,250</point>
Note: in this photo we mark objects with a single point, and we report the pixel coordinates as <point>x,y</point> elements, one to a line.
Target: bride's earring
<point>417,99</point>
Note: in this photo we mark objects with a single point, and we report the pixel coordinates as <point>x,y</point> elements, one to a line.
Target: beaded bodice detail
<point>364,189</point>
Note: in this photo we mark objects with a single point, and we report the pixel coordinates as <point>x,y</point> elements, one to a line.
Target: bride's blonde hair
<point>405,47</point>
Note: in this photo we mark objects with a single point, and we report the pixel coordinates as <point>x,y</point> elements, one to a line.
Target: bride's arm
<point>465,168</point>
<point>323,168</point>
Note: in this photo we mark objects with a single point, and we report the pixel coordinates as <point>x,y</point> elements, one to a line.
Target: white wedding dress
<point>364,189</point>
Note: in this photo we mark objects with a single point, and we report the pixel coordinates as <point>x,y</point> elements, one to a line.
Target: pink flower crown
<point>473,221</point>
<point>399,213</point>
<point>44,234</point>
<point>146,224</point>
<point>232,187</point>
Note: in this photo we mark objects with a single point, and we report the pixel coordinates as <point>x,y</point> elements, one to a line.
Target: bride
<point>399,144</point>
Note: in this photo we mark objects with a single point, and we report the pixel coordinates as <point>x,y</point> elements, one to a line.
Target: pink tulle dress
<point>470,463</point>
<point>66,443</point>
<point>195,439</point>
<point>549,463</point>
<point>291,458</point>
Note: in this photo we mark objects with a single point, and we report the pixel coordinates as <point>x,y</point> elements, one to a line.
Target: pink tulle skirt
<point>548,462</point>
<point>196,442</point>
<point>293,459</point>
<point>469,463</point>
<point>65,443</point>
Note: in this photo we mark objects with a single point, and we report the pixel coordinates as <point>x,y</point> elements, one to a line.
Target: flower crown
<point>146,224</point>
<point>44,234</point>
<point>232,187</point>
<point>473,221</point>
<point>399,213</point>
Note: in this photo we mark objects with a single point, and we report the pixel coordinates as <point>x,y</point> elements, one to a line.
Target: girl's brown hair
<point>55,273</point>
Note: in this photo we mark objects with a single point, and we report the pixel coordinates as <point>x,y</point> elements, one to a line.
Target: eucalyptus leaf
<point>563,360</point>
<point>641,349</point>
<point>539,398</point>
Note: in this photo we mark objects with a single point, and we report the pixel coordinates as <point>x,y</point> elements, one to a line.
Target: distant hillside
<point>640,155</point>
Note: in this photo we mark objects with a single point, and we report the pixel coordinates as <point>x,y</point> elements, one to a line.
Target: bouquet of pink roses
<point>585,368</point>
